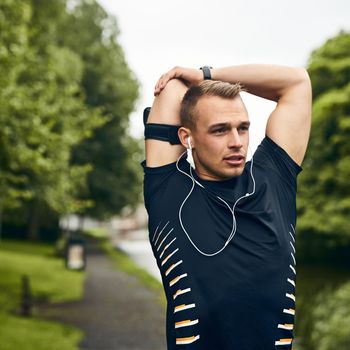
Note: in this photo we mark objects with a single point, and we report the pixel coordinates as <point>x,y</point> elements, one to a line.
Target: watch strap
<point>206,72</point>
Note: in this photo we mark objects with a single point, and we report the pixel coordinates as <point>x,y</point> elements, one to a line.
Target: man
<point>223,230</point>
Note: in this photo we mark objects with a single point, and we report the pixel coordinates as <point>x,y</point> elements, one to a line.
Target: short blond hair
<point>205,88</point>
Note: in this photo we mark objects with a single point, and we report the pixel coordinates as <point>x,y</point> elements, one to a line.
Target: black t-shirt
<point>244,297</point>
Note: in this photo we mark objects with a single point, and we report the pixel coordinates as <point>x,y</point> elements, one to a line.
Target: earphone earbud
<point>189,153</point>
<point>189,142</point>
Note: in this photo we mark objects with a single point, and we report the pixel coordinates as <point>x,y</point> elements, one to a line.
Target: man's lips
<point>234,160</point>
<point>234,157</point>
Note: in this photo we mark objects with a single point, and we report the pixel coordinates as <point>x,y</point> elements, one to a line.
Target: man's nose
<point>235,140</point>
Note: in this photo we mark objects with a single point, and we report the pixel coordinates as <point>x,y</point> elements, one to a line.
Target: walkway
<point>137,246</point>
<point>117,312</point>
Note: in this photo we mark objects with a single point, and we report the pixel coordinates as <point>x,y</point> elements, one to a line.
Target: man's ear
<point>183,134</point>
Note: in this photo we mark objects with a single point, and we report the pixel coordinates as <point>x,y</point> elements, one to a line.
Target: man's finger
<point>164,78</point>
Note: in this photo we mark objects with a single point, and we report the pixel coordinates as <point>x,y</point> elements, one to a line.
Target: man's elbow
<point>302,76</point>
<point>299,88</point>
<point>302,84</point>
<point>173,86</point>
<point>166,105</point>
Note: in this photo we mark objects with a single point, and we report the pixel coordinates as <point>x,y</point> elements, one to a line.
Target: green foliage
<point>65,95</point>
<point>324,192</point>
<point>43,116</point>
<point>332,315</point>
<point>14,19</point>
<point>50,281</point>
<point>36,334</point>
<point>115,181</point>
<point>49,278</point>
<point>316,285</point>
<point>329,65</point>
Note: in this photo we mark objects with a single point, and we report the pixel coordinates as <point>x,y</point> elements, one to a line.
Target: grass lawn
<point>49,281</point>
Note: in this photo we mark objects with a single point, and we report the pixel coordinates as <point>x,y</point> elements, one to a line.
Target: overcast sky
<point>157,35</point>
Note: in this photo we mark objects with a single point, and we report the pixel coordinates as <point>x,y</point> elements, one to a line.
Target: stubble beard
<point>202,169</point>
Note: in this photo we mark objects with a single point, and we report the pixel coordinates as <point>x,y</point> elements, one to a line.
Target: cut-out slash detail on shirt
<point>169,271</point>
<point>291,296</point>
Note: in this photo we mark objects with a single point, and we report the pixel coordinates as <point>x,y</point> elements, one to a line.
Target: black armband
<point>161,132</point>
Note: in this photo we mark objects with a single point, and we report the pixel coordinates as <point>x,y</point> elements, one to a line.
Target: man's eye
<point>223,130</point>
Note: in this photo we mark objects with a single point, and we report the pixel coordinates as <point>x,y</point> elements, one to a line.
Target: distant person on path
<point>223,229</point>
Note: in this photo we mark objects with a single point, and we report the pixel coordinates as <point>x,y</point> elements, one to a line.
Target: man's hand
<point>189,76</point>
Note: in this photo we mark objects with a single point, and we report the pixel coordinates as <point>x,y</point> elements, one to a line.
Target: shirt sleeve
<point>271,155</point>
<point>155,180</point>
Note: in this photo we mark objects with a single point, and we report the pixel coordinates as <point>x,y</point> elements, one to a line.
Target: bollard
<point>75,256</point>
<point>26,297</point>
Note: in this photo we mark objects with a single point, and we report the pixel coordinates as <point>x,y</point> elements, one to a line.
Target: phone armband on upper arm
<point>161,132</point>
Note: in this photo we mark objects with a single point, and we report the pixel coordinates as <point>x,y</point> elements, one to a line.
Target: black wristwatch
<point>206,72</point>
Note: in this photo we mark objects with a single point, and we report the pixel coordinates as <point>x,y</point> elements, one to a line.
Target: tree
<point>14,18</point>
<point>324,192</point>
<point>66,93</point>
<point>43,115</point>
<point>115,181</point>
<point>332,318</point>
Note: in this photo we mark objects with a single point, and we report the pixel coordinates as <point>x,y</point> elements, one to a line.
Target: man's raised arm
<point>290,123</point>
<point>165,110</point>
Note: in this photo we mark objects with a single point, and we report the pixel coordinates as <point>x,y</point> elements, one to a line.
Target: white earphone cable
<point>234,226</point>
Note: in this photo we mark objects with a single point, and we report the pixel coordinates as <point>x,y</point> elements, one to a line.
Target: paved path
<point>117,312</point>
<point>137,246</point>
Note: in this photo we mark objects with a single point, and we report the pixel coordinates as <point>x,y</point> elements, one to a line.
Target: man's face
<point>221,135</point>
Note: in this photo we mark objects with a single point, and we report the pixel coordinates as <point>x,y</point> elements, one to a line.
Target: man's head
<point>214,116</point>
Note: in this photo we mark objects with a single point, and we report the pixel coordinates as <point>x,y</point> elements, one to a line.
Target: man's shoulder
<point>165,180</point>
<point>273,157</point>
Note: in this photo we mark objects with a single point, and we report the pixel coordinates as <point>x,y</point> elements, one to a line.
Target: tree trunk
<point>34,222</point>
<point>0,220</point>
